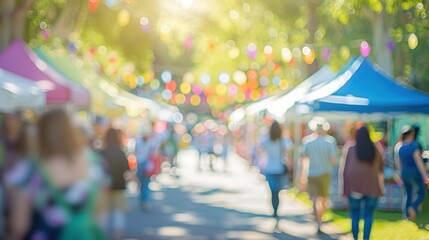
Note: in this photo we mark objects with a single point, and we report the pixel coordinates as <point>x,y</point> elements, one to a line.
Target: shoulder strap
<point>2,154</point>
<point>56,193</point>
<point>59,196</point>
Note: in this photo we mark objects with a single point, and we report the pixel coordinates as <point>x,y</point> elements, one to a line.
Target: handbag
<point>153,165</point>
<point>285,168</point>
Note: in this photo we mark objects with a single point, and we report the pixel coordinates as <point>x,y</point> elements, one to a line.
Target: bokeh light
<point>221,89</point>
<point>123,18</point>
<point>166,94</point>
<point>195,100</point>
<point>286,55</point>
<point>344,52</point>
<point>239,77</point>
<point>180,98</point>
<point>172,85</point>
<point>166,76</point>
<point>413,41</point>
<point>365,48</point>
<point>155,84</point>
<point>224,78</point>
<point>252,50</point>
<point>185,88</point>
<point>188,77</point>
<point>197,89</point>
<point>205,79</point>
<point>234,53</point>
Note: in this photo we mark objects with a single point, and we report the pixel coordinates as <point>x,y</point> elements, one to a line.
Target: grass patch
<point>387,225</point>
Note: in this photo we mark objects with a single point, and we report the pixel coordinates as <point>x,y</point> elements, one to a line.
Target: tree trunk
<point>19,24</point>
<point>12,20</point>
<point>313,23</point>
<point>72,14</point>
<point>383,56</point>
<point>6,10</point>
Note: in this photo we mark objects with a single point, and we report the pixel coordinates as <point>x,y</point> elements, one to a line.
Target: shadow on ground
<point>174,214</point>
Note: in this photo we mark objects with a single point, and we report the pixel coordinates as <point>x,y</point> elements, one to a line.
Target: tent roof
<point>19,59</point>
<point>17,92</point>
<point>365,89</point>
<point>282,104</point>
<point>101,102</point>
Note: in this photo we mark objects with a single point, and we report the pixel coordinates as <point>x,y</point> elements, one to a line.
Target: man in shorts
<point>319,154</point>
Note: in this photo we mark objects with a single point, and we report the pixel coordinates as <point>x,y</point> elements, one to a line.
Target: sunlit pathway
<point>207,205</point>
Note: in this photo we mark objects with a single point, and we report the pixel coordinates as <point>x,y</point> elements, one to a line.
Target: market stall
<point>363,91</point>
<point>19,93</point>
<point>19,59</point>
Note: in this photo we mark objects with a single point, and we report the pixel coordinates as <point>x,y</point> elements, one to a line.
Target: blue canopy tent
<point>364,88</point>
<point>364,92</point>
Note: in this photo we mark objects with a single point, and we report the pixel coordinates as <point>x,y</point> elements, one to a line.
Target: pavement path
<point>219,205</point>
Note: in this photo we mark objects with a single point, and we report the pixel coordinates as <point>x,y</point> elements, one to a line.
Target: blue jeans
<point>144,185</point>
<point>355,207</point>
<point>275,184</point>
<point>413,181</point>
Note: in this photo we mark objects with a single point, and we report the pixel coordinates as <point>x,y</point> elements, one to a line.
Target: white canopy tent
<point>282,104</point>
<point>17,92</point>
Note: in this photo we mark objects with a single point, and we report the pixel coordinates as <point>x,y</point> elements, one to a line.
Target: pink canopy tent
<point>19,59</point>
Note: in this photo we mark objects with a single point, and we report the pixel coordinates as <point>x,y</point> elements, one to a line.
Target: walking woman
<point>117,165</point>
<point>413,172</point>
<point>57,196</point>
<point>277,150</point>
<point>361,176</point>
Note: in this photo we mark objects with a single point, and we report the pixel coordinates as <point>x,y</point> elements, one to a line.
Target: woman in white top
<point>277,151</point>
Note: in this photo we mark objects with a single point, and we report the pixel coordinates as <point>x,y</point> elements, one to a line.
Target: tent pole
<point>297,163</point>
<point>391,141</point>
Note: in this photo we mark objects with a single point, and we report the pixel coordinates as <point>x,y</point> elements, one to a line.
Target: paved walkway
<point>207,205</point>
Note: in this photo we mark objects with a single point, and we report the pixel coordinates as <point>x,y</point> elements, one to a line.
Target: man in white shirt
<point>319,152</point>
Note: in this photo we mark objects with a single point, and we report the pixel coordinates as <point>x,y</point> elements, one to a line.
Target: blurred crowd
<point>62,180</point>
<point>361,162</point>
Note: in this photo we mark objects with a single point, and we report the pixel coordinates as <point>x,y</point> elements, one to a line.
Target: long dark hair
<point>275,131</point>
<point>112,139</point>
<point>365,148</point>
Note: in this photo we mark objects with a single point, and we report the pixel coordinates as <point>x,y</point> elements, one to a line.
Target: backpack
<point>81,224</point>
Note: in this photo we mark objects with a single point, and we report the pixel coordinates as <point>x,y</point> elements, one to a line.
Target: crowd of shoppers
<point>62,181</point>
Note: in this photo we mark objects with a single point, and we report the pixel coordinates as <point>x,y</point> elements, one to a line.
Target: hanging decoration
<point>413,41</point>
<point>205,79</point>
<point>365,49</point>
<point>197,89</point>
<point>185,87</point>
<point>188,43</point>
<point>145,24</point>
<point>46,34</point>
<point>172,85</point>
<point>309,55</point>
<point>344,52</point>
<point>71,47</point>
<point>239,77</point>
<point>123,18</point>
<point>211,46</point>
<point>326,53</point>
<point>233,53</point>
<point>93,5</point>
<point>252,51</point>
<point>224,78</point>
<point>286,55</point>
<point>269,53</point>
<point>390,45</point>
<point>111,3</point>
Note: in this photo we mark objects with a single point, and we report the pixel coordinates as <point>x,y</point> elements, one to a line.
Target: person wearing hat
<point>413,173</point>
<point>320,151</point>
